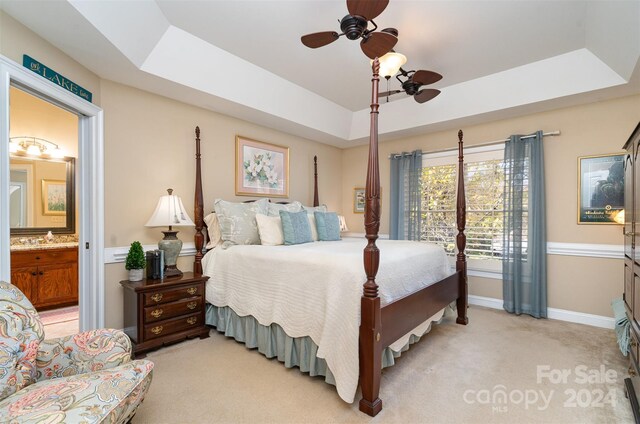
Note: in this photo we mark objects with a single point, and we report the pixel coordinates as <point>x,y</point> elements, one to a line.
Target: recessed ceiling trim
<point>565,75</point>
<point>183,58</point>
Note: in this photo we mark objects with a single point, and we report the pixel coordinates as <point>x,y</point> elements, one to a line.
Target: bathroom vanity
<point>47,274</point>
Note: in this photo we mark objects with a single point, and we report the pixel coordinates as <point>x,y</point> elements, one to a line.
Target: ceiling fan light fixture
<point>391,63</point>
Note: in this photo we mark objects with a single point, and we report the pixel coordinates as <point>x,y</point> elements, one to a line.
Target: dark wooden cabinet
<point>48,277</point>
<point>160,312</point>
<point>632,261</point>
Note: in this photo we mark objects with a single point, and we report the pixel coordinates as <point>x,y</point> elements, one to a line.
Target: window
<point>484,186</point>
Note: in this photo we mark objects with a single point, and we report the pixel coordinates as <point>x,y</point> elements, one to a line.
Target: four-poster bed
<point>380,326</point>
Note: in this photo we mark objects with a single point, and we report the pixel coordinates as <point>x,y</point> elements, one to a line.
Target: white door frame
<point>89,182</point>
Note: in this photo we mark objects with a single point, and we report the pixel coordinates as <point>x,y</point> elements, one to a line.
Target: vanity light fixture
<point>35,146</point>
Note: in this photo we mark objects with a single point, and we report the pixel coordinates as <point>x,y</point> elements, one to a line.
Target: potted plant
<point>135,262</point>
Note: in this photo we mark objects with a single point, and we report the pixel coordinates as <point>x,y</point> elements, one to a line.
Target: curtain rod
<point>488,143</point>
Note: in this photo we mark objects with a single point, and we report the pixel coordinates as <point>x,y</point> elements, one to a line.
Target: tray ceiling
<point>245,58</point>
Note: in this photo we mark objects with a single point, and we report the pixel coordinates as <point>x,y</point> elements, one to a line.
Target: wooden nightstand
<point>160,312</point>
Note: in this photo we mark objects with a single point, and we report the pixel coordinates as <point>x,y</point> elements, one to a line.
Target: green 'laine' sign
<point>55,77</point>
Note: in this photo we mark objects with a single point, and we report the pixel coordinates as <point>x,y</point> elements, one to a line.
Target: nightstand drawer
<point>171,295</point>
<point>162,328</point>
<point>161,312</point>
<point>173,309</point>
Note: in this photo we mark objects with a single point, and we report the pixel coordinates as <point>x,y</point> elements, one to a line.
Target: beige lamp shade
<point>169,212</point>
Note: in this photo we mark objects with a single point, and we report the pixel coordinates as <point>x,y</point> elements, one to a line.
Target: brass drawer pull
<point>192,320</point>
<point>192,305</point>
<point>157,297</point>
<point>192,290</point>
<point>156,313</point>
<point>157,330</point>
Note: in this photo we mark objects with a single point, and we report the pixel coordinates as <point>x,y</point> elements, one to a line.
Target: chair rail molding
<point>611,251</point>
<point>113,255</point>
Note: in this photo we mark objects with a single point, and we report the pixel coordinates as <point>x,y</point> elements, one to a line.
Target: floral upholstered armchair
<point>85,378</point>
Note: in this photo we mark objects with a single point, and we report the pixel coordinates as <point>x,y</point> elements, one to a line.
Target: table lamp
<point>170,212</point>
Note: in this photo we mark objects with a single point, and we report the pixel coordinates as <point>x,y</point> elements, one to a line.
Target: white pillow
<point>312,224</point>
<point>270,229</point>
<point>213,228</point>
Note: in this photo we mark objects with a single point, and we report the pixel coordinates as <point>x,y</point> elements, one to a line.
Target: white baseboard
<point>553,313</point>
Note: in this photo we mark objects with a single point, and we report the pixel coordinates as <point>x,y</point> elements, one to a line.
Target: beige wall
<point>575,283</point>
<point>17,40</point>
<point>149,147</point>
<point>33,117</point>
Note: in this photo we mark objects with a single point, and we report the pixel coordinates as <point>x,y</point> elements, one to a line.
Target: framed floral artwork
<point>54,197</point>
<point>262,169</point>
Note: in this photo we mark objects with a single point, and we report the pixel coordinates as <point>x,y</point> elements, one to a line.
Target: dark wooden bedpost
<point>371,324</point>
<point>316,202</point>
<point>461,239</point>
<point>198,211</point>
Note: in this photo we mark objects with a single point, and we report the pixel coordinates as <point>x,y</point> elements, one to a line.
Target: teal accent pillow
<point>328,226</point>
<point>295,227</point>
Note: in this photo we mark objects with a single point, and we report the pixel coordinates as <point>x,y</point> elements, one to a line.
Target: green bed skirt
<point>273,342</point>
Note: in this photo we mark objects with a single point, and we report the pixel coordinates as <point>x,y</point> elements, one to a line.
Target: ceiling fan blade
<point>426,77</point>
<point>378,44</point>
<point>426,95</point>
<point>319,39</point>
<point>368,9</point>
<point>389,93</point>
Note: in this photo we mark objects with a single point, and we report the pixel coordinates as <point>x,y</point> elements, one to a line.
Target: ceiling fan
<point>415,80</point>
<point>355,25</point>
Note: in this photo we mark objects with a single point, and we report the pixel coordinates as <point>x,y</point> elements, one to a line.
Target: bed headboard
<point>201,235</point>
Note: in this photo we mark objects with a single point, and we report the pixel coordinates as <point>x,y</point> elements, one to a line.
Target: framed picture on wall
<point>262,169</point>
<point>54,197</point>
<point>358,200</point>
<point>601,189</point>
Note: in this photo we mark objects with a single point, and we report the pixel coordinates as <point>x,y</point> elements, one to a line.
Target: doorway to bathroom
<point>89,181</point>
<point>43,147</point>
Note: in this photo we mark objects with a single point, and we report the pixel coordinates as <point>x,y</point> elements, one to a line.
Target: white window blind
<point>484,187</point>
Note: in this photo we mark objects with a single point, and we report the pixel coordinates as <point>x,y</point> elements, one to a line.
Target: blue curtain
<point>406,198</point>
<point>524,262</point>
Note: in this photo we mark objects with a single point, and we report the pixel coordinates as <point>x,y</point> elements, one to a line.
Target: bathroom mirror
<point>42,195</point>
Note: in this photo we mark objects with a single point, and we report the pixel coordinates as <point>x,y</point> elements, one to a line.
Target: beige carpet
<point>61,329</point>
<point>450,376</point>
<point>60,322</point>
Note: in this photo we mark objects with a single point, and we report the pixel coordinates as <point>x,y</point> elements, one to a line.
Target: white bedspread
<point>314,290</point>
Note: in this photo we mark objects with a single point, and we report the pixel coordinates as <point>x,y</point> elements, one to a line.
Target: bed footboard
<point>379,327</point>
